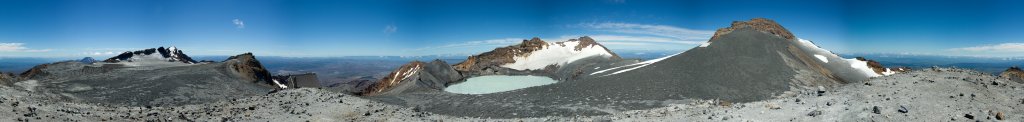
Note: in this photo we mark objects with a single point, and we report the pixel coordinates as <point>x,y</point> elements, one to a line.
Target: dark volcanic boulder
<point>247,67</point>
<point>1013,73</point>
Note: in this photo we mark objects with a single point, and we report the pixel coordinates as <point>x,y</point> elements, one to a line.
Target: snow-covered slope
<point>556,53</point>
<point>152,55</point>
<point>825,56</point>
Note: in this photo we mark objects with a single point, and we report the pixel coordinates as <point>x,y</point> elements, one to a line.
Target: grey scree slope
<point>742,66</point>
<point>930,95</point>
<point>143,86</point>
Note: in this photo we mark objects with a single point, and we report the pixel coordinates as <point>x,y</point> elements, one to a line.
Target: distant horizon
<point>71,28</point>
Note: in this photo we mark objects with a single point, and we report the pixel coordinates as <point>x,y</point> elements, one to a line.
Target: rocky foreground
<point>937,94</point>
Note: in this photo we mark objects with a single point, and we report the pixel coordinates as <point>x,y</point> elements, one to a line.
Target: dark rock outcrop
<point>172,54</point>
<point>415,76</point>
<point>1013,73</point>
<point>757,24</point>
<point>250,69</point>
<point>7,78</point>
<point>34,72</point>
<point>394,78</point>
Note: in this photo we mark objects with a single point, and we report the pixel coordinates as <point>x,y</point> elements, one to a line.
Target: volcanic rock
<point>248,68</point>
<point>1013,73</point>
<point>757,24</point>
<point>6,78</point>
<point>415,76</point>
<point>34,71</point>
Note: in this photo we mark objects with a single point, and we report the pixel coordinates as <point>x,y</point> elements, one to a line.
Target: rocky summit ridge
<point>758,24</point>
<point>1013,73</point>
<point>171,54</point>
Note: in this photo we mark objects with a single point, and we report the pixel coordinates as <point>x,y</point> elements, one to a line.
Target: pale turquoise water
<point>497,83</point>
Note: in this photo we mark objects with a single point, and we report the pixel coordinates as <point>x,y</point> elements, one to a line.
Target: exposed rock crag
<point>1013,73</point>
<point>249,68</point>
<point>758,24</point>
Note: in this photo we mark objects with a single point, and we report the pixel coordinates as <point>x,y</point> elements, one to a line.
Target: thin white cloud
<point>390,29</point>
<point>480,43</point>
<point>999,48</point>
<point>656,30</point>
<point>238,23</point>
<point>19,47</point>
<point>639,39</point>
<point>99,53</point>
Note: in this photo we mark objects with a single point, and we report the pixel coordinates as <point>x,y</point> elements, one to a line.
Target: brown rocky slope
<point>1013,73</point>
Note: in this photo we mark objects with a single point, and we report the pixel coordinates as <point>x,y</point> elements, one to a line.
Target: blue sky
<point>312,28</point>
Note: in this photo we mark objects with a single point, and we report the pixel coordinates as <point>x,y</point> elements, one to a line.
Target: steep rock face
<point>34,72</point>
<point>415,76</point>
<point>534,55</point>
<point>171,54</point>
<point>758,24</point>
<point>1013,73</point>
<point>394,78</point>
<point>246,66</point>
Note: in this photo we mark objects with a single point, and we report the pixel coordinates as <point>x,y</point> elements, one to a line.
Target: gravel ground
<point>940,94</point>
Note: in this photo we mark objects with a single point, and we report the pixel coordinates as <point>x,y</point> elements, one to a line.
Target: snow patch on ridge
<point>822,58</point>
<point>823,55</point>
<point>862,66</point>
<point>280,85</point>
<point>705,44</point>
<point>888,72</point>
<point>641,64</point>
<point>556,54</point>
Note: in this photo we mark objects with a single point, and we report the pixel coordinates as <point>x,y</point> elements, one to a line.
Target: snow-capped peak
<point>172,54</point>
<point>558,53</point>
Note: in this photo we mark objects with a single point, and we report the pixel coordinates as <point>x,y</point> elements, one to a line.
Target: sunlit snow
<point>822,58</point>
<point>555,54</point>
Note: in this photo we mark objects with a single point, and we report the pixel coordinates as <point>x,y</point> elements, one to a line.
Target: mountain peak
<point>171,54</point>
<point>758,24</point>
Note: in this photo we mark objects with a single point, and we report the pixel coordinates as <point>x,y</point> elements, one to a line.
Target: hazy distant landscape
<point>337,69</point>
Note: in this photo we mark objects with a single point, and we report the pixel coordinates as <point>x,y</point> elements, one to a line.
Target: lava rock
<point>876,110</point>
<point>1000,116</point>
<point>968,116</point>
<point>814,113</point>
<point>903,109</point>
